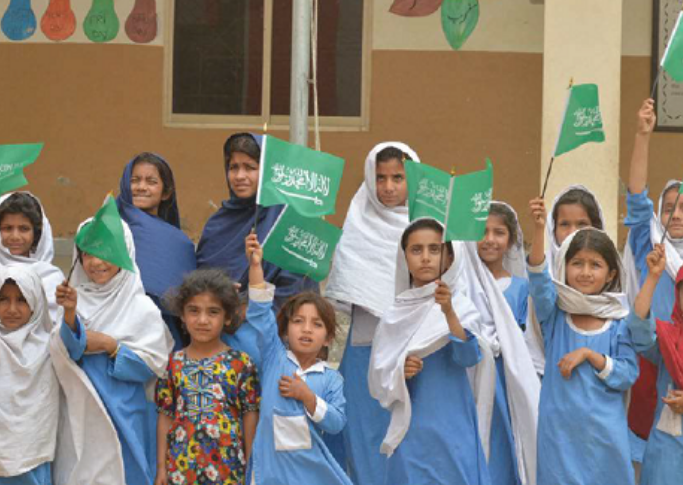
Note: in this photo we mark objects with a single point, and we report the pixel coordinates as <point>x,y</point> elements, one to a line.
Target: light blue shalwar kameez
<point>582,429</point>
<point>120,384</point>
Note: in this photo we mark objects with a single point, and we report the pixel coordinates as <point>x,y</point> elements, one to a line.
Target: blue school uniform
<point>442,445</point>
<point>367,419</point>
<point>163,252</point>
<point>582,428</point>
<point>517,296</point>
<point>120,384</point>
<point>503,458</point>
<point>638,217</point>
<point>40,475</point>
<point>289,448</point>
<point>663,459</point>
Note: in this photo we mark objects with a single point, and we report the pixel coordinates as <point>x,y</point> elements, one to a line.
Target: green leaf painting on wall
<point>458,20</point>
<point>101,24</point>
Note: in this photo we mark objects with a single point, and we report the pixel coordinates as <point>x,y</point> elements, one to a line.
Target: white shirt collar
<point>319,366</point>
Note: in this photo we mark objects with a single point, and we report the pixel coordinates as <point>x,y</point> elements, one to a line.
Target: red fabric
<point>670,337</point>
<point>641,411</point>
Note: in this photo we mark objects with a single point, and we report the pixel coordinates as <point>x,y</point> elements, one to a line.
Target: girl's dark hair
<point>599,242</point>
<point>509,219</point>
<point>28,206</point>
<point>324,308</point>
<point>424,224</point>
<point>166,179</point>
<point>585,200</point>
<point>214,281</point>
<point>242,143</point>
<point>390,153</point>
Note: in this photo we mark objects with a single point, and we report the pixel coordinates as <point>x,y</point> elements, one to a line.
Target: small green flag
<point>672,60</point>
<point>103,236</point>
<point>468,209</point>
<point>305,179</point>
<point>13,160</point>
<point>582,121</point>
<point>302,245</point>
<point>427,191</point>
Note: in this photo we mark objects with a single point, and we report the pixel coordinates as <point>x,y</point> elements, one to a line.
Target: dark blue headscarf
<point>162,251</point>
<point>222,242</point>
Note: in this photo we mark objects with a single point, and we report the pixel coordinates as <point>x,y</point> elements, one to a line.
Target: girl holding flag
<point>110,347</point>
<point>222,241</point>
<point>433,436</point>
<point>148,204</point>
<point>590,359</point>
<point>661,342</point>
<point>376,218</point>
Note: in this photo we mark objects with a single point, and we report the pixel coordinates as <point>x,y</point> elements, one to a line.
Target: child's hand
<point>162,477</point>
<point>413,366</point>
<point>656,261</point>
<point>675,401</point>
<point>294,387</point>
<point>538,212</point>
<point>98,342</point>
<point>572,360</point>
<point>66,296</point>
<point>646,117</point>
<point>443,297</point>
<point>254,250</point>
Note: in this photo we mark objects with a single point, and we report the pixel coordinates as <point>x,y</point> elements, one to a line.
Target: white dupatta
<point>369,224</point>
<point>122,310</point>
<point>40,260</point>
<point>29,409</point>
<point>415,325</point>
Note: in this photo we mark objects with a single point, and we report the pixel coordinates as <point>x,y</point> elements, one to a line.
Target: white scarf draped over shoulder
<point>29,408</point>
<point>415,325</point>
<point>121,309</point>
<point>372,233</point>
<point>40,259</point>
<point>608,305</point>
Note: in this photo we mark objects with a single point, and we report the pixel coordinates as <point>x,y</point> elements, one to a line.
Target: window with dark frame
<point>218,57</point>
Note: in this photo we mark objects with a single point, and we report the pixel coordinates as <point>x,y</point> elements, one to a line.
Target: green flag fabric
<point>582,121</point>
<point>305,179</point>
<point>468,209</point>
<point>427,191</point>
<point>13,160</point>
<point>672,60</point>
<point>302,245</point>
<point>103,236</point>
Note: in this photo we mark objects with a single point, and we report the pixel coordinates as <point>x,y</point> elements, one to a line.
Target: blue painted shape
<point>19,22</point>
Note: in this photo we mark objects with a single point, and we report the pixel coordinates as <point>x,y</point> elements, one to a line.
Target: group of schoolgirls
<point>466,363</point>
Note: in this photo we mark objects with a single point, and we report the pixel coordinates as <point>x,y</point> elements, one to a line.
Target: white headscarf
<point>608,305</point>
<point>40,259</point>
<point>672,247</point>
<point>553,246</point>
<point>29,409</point>
<point>415,325</point>
<point>523,386</point>
<point>121,310</point>
<point>372,232</point>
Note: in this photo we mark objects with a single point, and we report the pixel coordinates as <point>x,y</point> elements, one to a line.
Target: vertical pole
<point>301,59</point>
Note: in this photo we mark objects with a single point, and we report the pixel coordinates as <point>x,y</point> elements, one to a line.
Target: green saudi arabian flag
<point>468,207</point>
<point>427,191</point>
<point>13,160</point>
<point>672,60</point>
<point>306,180</point>
<point>582,121</point>
<point>103,236</point>
<point>302,245</point>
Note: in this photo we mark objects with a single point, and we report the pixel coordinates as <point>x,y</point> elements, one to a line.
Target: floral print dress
<point>206,399</point>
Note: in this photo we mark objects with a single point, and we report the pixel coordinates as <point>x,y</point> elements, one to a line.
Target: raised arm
<point>656,264</point>
<point>637,179</point>
<point>538,214</point>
